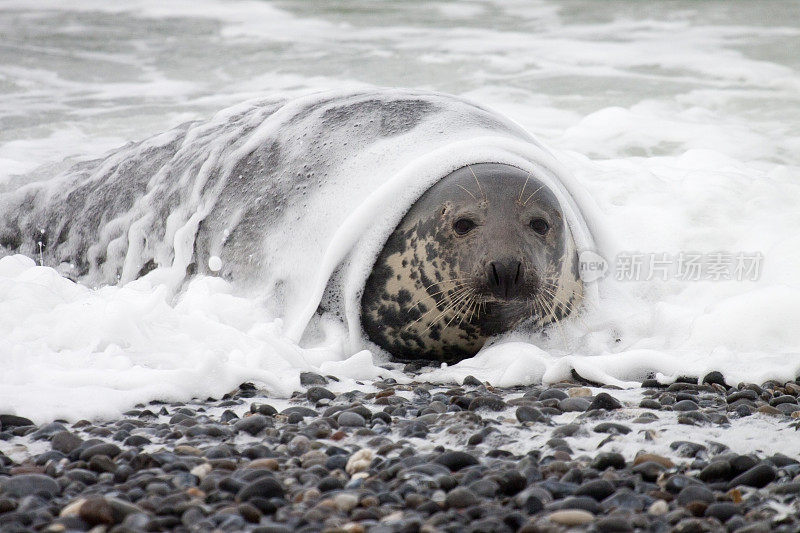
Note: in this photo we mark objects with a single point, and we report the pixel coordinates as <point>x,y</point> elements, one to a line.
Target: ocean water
<point>680,119</point>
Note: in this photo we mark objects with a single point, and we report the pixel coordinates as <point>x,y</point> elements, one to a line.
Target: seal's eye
<point>540,226</point>
<point>462,226</point>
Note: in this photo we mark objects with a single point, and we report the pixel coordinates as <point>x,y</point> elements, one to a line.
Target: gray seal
<point>292,200</point>
<point>483,250</point>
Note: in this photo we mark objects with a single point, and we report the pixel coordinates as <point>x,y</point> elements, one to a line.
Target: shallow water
<point>682,119</point>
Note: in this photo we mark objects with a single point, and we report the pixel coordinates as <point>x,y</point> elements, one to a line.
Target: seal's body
<point>291,201</point>
<point>483,250</point>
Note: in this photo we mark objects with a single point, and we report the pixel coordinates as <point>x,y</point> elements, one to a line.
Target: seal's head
<point>484,249</point>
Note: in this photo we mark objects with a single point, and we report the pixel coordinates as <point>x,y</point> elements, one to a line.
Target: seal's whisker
<point>558,325</point>
<point>462,309</point>
<point>475,304</point>
<point>450,307</point>
<point>531,196</point>
<point>468,192</point>
<point>423,315</point>
<point>483,193</point>
<point>457,294</point>
<point>519,200</point>
<point>437,293</point>
<point>458,310</point>
<point>569,308</point>
<point>444,281</point>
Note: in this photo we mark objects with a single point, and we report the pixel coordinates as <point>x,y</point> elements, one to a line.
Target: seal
<point>483,250</point>
<point>316,207</point>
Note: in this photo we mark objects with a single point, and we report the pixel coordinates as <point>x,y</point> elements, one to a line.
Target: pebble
<point>252,424</point>
<point>605,460</point>
<point>574,404</point>
<point>264,488</point>
<point>604,401</point>
<point>651,457</point>
<point>649,471</point>
<point>599,489</point>
<point>315,394</point>
<point>65,442</point>
<point>460,498</point>
<point>685,405</point>
<point>695,493</point>
<point>658,508</point>
<point>742,395</point>
<point>13,421</point>
<point>351,419</point>
<point>345,501</point>
<point>310,378</point>
<point>198,466</point>
<point>571,517</point>
<point>556,394</point>
<point>107,448</point>
<point>579,392</point>
<point>489,403</point>
<point>97,511</point>
<point>359,461</point>
<point>23,485</point>
<point>717,470</point>
<point>759,476</point>
<point>613,524</point>
<point>612,427</point>
<point>714,378</point>
<point>526,413</point>
<point>723,511</point>
<point>456,460</point>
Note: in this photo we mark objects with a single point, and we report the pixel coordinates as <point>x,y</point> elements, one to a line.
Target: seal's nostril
<point>505,278</point>
<point>495,275</point>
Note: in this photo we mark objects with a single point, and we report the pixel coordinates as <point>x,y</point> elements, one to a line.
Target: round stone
<point>265,487</point>
<point>23,485</point>
<point>599,489</point>
<point>685,405</point>
<point>456,460</point>
<point>723,511</point>
<point>490,403</point>
<point>527,413</point>
<point>252,424</point>
<point>460,498</point>
<point>315,394</point>
<point>574,404</point>
<point>695,493</point>
<point>571,517</point>
<point>345,501</point>
<point>351,419</point>
<point>718,470</point>
<point>107,449</point>
<point>759,476</point>
<point>608,459</point>
<point>714,378</point>
<point>604,401</point>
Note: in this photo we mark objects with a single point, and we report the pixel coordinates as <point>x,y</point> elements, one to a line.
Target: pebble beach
<point>413,457</point>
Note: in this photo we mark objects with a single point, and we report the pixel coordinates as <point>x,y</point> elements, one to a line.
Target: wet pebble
<point>456,460</point>
<point>574,404</point>
<point>460,498</point>
<point>604,401</point>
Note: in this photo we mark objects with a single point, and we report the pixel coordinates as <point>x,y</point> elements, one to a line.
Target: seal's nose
<point>505,278</point>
